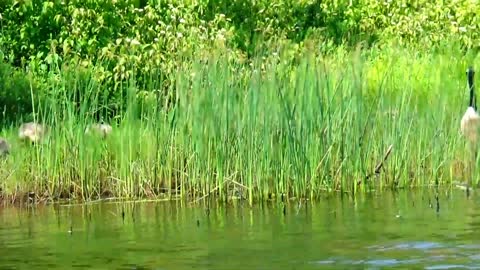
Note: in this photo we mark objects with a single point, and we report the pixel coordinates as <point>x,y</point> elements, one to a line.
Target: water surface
<point>403,230</point>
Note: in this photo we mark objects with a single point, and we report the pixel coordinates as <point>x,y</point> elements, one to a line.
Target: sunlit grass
<point>281,126</point>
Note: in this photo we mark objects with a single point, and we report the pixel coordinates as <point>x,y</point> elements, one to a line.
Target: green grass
<point>294,126</point>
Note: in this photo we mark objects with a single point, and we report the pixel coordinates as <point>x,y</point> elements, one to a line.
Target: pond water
<point>375,231</point>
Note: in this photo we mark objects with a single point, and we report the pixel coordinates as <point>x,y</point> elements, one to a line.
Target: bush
<point>15,94</point>
<point>148,40</point>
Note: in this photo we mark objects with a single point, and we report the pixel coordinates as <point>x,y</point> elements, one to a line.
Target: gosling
<point>33,132</point>
<point>102,130</point>
<point>4,147</point>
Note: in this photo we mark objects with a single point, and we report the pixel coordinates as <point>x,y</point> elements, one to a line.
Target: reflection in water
<point>373,231</point>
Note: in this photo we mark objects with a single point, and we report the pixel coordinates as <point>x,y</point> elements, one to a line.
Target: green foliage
<point>121,39</point>
<point>160,33</point>
<point>15,94</point>
<point>423,24</point>
<point>113,39</point>
<point>114,31</point>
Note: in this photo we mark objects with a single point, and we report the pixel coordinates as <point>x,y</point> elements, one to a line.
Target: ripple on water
<point>471,246</point>
<point>385,262</point>
<point>435,255</point>
<point>451,266</point>
<point>407,246</point>
<point>392,262</point>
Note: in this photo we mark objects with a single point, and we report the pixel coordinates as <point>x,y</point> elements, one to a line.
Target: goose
<point>4,147</point>
<point>32,131</point>
<point>470,123</point>
<point>102,129</point>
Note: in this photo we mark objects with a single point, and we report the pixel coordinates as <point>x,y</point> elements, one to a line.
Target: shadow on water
<point>396,230</point>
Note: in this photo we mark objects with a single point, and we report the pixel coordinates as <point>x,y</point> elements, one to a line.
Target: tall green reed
<point>282,125</point>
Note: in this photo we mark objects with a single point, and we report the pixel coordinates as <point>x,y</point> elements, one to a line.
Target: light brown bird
<point>102,130</point>
<point>32,131</point>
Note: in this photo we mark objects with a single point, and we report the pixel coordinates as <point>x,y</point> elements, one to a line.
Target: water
<point>388,230</point>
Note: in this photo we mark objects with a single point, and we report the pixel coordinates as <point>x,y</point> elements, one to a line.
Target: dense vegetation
<point>244,98</point>
<point>119,38</point>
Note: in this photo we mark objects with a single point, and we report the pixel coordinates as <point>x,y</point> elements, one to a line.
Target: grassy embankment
<point>297,126</point>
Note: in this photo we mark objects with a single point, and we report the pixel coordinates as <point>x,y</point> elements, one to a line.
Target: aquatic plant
<point>293,123</point>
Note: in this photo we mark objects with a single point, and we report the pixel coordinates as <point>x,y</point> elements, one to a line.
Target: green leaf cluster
<point>148,41</point>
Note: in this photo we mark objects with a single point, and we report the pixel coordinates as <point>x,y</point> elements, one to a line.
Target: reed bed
<point>281,126</point>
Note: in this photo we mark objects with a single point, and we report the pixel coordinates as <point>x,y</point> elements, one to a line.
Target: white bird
<point>32,131</point>
<point>470,122</point>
